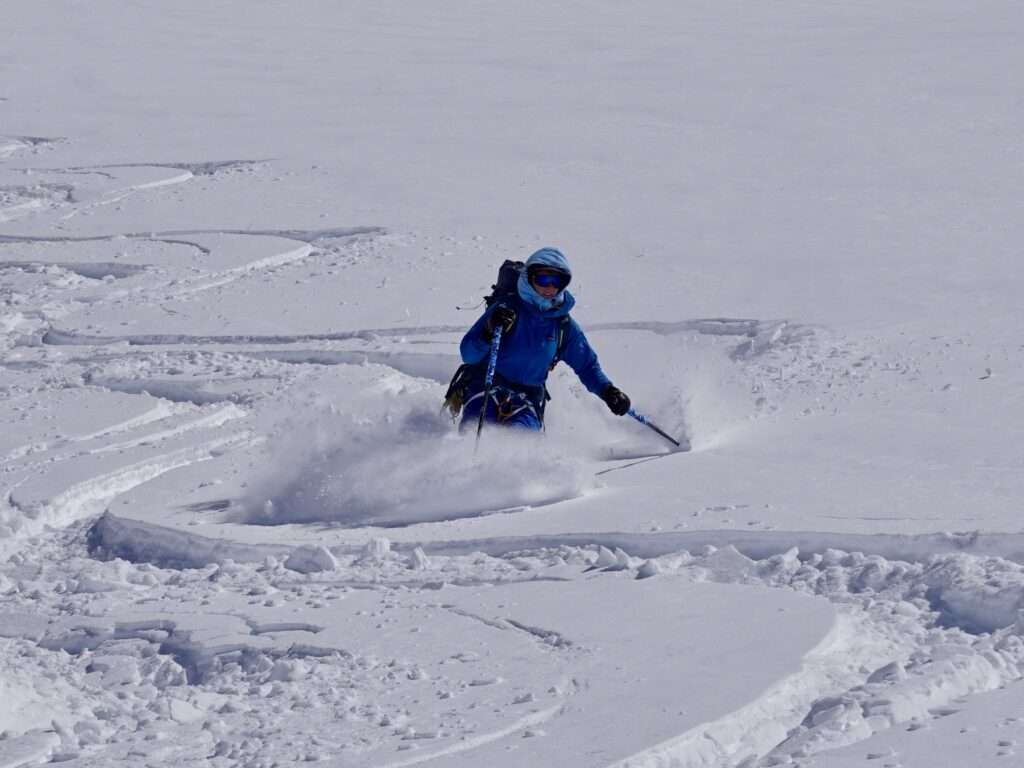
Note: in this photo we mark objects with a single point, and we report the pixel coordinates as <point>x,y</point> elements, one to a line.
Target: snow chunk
<point>287,671</point>
<point>32,747</point>
<point>375,551</point>
<point>890,673</point>
<point>184,713</point>
<point>728,563</point>
<point>482,681</point>
<point>648,569</point>
<point>114,670</point>
<point>88,585</point>
<point>26,625</point>
<point>311,559</point>
<point>418,560</point>
<point>605,558</point>
<point>619,560</point>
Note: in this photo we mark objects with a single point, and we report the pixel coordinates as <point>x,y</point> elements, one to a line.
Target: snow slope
<point>238,248</point>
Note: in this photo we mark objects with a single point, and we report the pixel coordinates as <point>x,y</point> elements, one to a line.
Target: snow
<point>238,249</point>
<point>310,559</point>
<point>982,729</point>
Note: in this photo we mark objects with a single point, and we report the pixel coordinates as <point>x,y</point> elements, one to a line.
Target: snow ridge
<point>90,496</point>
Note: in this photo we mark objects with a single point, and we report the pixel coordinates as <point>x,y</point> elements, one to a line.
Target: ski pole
<point>643,420</point>
<point>488,382</point>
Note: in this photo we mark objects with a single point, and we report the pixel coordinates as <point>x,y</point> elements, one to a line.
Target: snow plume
<point>693,391</point>
<point>389,459</point>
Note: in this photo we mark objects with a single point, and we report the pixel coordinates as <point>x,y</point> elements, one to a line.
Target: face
<point>553,277</point>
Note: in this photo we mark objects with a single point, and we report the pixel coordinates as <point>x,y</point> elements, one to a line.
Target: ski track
<point>21,201</point>
<point>710,327</point>
<point>166,285</point>
<point>160,411</point>
<point>194,660</point>
<point>9,145</point>
<point>17,202</point>
<point>173,391</point>
<point>783,721</point>
<point>955,596</point>
<point>89,497</point>
<point>187,286</point>
<point>91,271</point>
<point>300,235</point>
<point>522,724</point>
<point>917,666</point>
<point>754,544</point>
<point>209,168</point>
<point>211,420</point>
<point>763,728</point>
<point>142,542</point>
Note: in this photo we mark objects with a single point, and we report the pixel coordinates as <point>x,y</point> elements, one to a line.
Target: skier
<point>537,332</point>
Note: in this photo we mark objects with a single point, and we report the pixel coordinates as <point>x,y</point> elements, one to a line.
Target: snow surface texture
<point>235,529</point>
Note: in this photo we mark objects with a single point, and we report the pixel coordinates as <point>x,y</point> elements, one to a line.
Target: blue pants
<point>506,407</point>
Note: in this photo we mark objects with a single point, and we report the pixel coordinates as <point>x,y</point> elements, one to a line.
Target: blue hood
<point>563,300</point>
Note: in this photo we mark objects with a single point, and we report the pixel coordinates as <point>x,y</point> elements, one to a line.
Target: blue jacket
<point>527,351</point>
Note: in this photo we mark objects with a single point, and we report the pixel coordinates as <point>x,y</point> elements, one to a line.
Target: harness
<point>508,403</point>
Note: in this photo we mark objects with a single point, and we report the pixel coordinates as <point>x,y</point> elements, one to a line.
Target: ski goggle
<point>550,279</point>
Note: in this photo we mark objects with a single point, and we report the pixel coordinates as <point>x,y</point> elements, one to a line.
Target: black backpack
<point>506,288</point>
<point>508,282</point>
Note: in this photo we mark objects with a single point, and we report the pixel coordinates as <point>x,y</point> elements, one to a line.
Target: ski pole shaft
<point>488,382</point>
<point>647,423</point>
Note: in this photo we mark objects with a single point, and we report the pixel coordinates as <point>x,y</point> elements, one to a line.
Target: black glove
<point>502,317</point>
<point>616,399</point>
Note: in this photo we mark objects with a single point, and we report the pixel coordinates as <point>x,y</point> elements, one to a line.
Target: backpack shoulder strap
<point>563,336</point>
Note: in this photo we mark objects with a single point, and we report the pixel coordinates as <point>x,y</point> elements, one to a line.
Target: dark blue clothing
<point>526,354</point>
<point>527,351</point>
